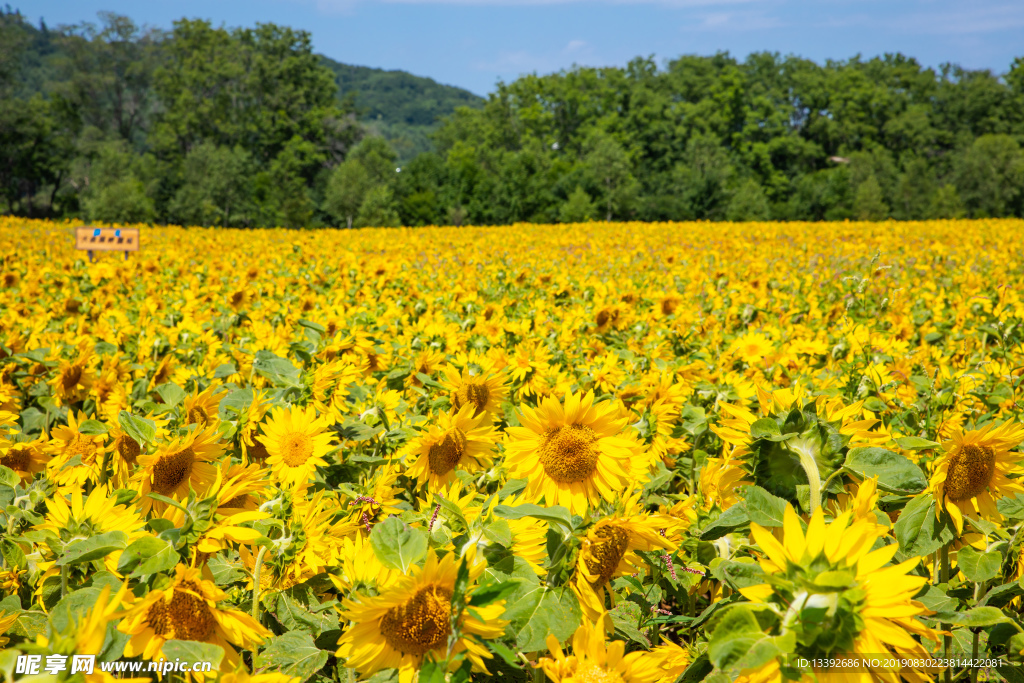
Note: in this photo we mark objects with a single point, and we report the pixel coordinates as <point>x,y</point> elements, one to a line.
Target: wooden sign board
<point>106,239</point>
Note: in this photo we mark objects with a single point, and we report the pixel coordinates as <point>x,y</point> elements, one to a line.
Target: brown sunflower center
<point>970,471</point>
<point>604,316</point>
<point>605,554</point>
<point>128,448</point>
<point>296,449</point>
<point>171,470</point>
<point>236,502</point>
<point>258,453</point>
<point>83,447</point>
<point>10,279</point>
<point>197,416</point>
<point>185,617</point>
<point>569,453</point>
<point>475,393</point>
<point>444,456</point>
<point>17,459</point>
<point>420,624</point>
<point>237,298</point>
<point>668,306</point>
<point>71,377</point>
<point>72,305</point>
<point>592,673</point>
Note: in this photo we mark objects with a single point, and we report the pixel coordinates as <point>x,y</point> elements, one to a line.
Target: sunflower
<point>837,595</point>
<point>973,474</point>
<point>6,620</point>
<point>26,458</point>
<point>665,662</point>
<point>593,660</point>
<point>297,441</point>
<point>375,501</point>
<point>187,610</point>
<point>248,425</point>
<point>359,568</point>
<point>240,299</point>
<point>98,513</point>
<point>201,408</point>
<point>186,462</point>
<point>74,381</point>
<point>241,487</point>
<point>77,458</point>
<point>721,480</point>
<point>609,550</point>
<point>573,455</point>
<point>457,441</point>
<point>486,391</point>
<point>412,620</point>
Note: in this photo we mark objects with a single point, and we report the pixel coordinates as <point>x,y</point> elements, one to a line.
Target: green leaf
<point>914,443</point>
<point>554,514</point>
<point>397,545</point>
<point>235,403</point>
<point>895,473</point>
<point>738,641</point>
<point>499,532</point>
<point>193,651</point>
<point>224,571</point>
<point>764,428</point>
<point>92,427</point>
<point>626,618</point>
<point>1011,507</point>
<point>917,529</point>
<point>294,617</point>
<point>739,574</point>
<point>493,592</point>
<point>147,555</point>
<point>763,508</point>
<point>12,553</point>
<point>974,618</point>
<point>727,522</point>
<point>697,671</point>
<point>293,654</point>
<point>978,566</point>
<point>279,371</point>
<point>224,370</point>
<point>93,548</point>
<point>9,477</point>
<point>29,624</point>
<point>171,393</point>
<point>540,611</point>
<point>138,428</point>
<point>452,509</point>
<point>999,596</point>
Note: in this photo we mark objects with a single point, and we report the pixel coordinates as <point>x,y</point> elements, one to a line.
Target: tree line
<point>201,125</point>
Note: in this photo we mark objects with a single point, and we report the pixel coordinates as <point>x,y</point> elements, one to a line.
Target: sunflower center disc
<point>592,673</point>
<point>171,470</point>
<point>475,393</point>
<point>72,376</point>
<point>607,552</point>
<point>297,448</point>
<point>197,416</point>
<point>444,456</point>
<point>185,617</point>
<point>604,316</point>
<point>16,458</point>
<point>128,448</point>
<point>421,624</point>
<point>970,471</point>
<point>258,453</point>
<point>568,453</point>
<point>668,306</point>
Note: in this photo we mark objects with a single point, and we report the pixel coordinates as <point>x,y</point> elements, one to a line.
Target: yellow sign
<point>106,239</point>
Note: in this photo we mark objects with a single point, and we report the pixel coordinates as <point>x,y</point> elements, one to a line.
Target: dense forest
<point>245,127</point>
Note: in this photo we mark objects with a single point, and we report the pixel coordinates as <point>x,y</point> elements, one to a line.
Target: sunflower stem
<point>947,640</point>
<point>256,582</point>
<point>813,477</point>
<point>64,581</point>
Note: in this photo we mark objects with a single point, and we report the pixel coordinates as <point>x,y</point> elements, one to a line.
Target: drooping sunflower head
<point>457,440</point>
<point>975,472</point>
<point>832,592</point>
<point>201,408</point>
<point>573,454</point>
<point>74,380</point>
<point>183,463</point>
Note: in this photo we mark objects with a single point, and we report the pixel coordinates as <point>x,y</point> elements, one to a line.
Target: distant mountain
<point>403,108</point>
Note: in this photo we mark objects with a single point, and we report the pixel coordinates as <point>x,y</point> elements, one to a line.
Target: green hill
<point>403,108</point>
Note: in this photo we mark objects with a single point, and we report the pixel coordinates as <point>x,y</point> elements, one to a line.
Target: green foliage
<point>579,207</point>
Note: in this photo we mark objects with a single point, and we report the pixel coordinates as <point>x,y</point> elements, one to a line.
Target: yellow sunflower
<point>188,610</point>
<point>665,663</point>
<point>593,660</point>
<point>839,597</point>
<point>74,380</point>
<point>186,462</point>
<point>486,392</point>
<point>456,441</point>
<point>573,455</point>
<point>201,408</point>
<point>26,458</point>
<point>973,473</point>
<point>6,620</point>
<point>77,458</point>
<point>297,441</point>
<point>413,619</point>
<point>609,550</point>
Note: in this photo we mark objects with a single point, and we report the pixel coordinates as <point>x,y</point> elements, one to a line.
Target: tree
<point>703,179</point>
<point>214,191</point>
<point>748,203</point>
<point>608,167</point>
<point>577,208</point>
<point>348,185</point>
<point>378,209</point>
<point>990,177</point>
<point>869,203</point>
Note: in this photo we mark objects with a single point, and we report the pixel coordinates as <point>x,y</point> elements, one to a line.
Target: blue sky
<point>474,43</point>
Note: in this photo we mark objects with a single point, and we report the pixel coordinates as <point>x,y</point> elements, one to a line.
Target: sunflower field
<point>594,453</point>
